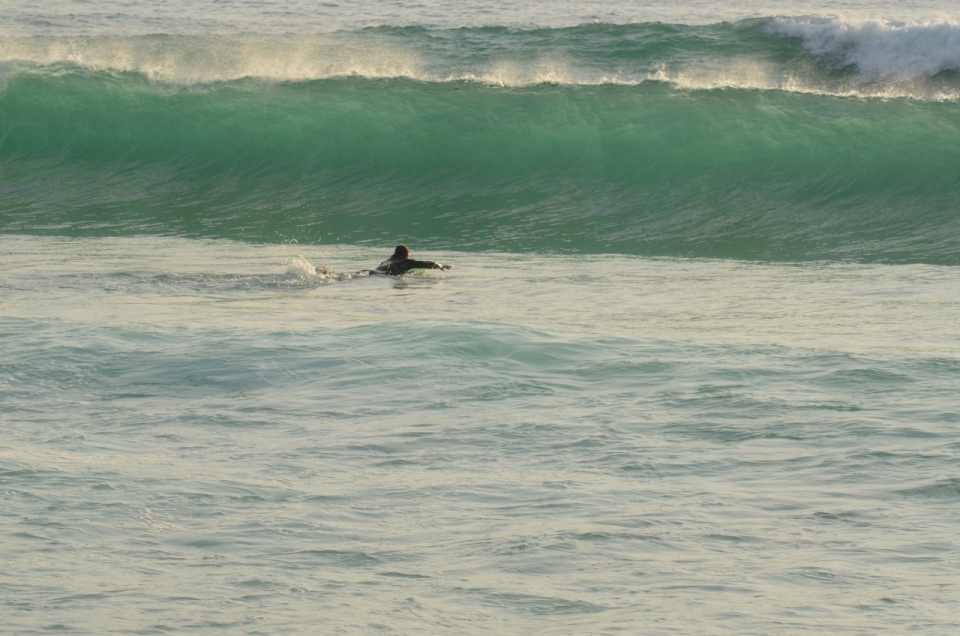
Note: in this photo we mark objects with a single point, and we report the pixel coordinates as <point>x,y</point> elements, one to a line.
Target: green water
<point>649,168</point>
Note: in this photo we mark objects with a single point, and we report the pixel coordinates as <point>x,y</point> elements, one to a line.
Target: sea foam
<point>878,47</point>
<point>191,59</point>
<point>886,59</point>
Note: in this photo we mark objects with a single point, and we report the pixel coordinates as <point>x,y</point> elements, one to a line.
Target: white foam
<point>891,60</point>
<point>746,73</point>
<point>514,73</point>
<point>751,74</point>
<point>191,60</point>
<point>301,269</point>
<point>202,60</point>
<point>878,48</point>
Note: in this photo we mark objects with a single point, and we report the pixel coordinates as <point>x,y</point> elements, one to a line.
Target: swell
<point>637,169</point>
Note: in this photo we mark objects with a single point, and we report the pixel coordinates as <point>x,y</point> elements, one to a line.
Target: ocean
<point>695,368</point>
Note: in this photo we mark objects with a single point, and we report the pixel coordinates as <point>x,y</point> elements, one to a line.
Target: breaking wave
<point>728,140</point>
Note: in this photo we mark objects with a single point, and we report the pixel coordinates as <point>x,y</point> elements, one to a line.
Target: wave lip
<point>197,60</point>
<point>829,56</point>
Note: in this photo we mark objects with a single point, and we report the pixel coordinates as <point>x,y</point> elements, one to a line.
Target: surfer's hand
<point>447,266</point>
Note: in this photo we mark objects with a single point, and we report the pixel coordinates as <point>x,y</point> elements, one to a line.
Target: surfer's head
<point>401,252</point>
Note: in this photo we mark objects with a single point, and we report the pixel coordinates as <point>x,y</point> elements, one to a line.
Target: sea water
<point>694,370</point>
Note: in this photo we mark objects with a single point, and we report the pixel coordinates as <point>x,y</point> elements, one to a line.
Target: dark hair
<point>401,252</point>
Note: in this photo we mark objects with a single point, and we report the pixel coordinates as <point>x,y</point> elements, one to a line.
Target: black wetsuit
<point>395,266</point>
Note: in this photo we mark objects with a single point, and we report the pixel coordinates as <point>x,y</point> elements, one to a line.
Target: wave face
<point>778,139</point>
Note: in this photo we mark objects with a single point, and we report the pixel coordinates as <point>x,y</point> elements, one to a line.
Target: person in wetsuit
<point>401,263</point>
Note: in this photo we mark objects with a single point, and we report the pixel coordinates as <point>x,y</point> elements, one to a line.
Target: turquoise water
<point>694,369</point>
<point>740,140</point>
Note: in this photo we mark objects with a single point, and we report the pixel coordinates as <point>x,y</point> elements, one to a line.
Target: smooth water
<point>694,370</point>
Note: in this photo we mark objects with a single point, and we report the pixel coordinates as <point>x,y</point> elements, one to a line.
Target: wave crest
<point>827,56</point>
<point>189,60</point>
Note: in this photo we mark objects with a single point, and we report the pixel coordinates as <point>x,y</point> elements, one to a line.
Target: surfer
<point>397,265</point>
<point>401,263</point>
